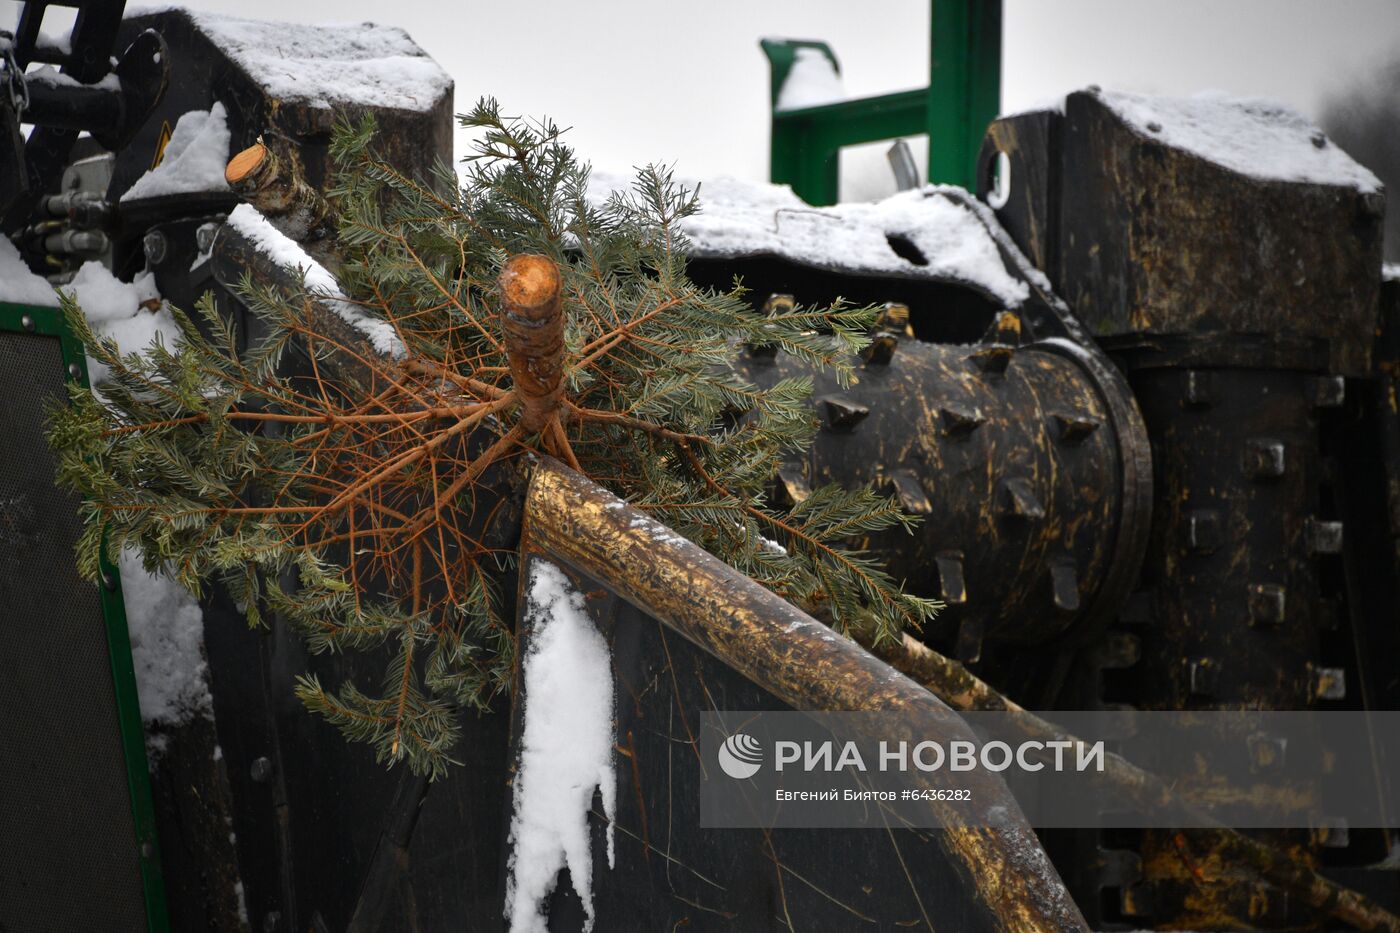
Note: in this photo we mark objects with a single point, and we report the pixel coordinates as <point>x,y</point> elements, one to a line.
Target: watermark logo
<point>740,756</point>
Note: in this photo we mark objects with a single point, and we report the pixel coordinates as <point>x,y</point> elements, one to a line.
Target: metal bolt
<point>842,414</point>
<point>1021,500</point>
<point>270,921</point>
<point>1204,530</point>
<point>960,423</point>
<point>793,485</point>
<point>1064,586</point>
<point>1327,683</point>
<point>204,236</point>
<point>779,304</point>
<point>1326,391</point>
<point>881,349</point>
<point>1201,676</point>
<point>951,585</point>
<point>894,316</point>
<point>147,850</point>
<point>1263,458</point>
<point>75,370</point>
<point>154,245</point>
<point>1332,831</point>
<point>261,770</point>
<point>1268,604</point>
<point>1074,429</point>
<point>1007,328</point>
<point>910,492</point>
<point>1322,537</point>
<point>993,358</point>
<point>27,322</point>
<point>1266,752</point>
<point>1198,392</point>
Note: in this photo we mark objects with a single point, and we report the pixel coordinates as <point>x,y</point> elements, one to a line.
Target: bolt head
<point>1205,530</point>
<point>1327,683</point>
<point>1266,752</point>
<point>1201,676</point>
<point>1323,537</point>
<point>261,769</point>
<point>1264,459</point>
<point>155,246</point>
<point>204,236</point>
<point>1267,604</point>
<point>881,349</point>
<point>1197,390</point>
<point>1326,391</point>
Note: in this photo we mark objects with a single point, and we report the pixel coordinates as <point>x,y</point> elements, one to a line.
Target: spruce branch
<point>356,496</point>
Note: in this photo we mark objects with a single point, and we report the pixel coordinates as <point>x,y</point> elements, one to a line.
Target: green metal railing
<point>962,97</point>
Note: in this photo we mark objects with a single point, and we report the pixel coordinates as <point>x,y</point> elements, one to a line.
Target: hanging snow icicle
<point>566,751</point>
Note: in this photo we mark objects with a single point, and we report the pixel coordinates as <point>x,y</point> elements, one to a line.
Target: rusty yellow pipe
<point>796,658</point>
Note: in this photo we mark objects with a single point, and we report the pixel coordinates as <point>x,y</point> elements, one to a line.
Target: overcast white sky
<point>642,80</point>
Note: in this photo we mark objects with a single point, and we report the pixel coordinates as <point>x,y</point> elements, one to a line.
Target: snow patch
<point>285,252</point>
<point>742,218</point>
<point>20,286</point>
<point>121,311</point>
<point>812,82</point>
<point>164,620</point>
<point>167,647</point>
<point>327,66</point>
<point>566,751</point>
<point>195,157</point>
<point>52,77</point>
<point>1258,138</point>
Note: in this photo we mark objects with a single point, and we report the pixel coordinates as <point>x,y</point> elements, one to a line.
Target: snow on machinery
<point>1120,315</point>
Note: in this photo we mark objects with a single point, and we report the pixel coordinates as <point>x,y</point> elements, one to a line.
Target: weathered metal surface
<point>1234,568</point>
<point>1236,306</point>
<point>796,658</point>
<point>194,815</point>
<point>1156,240</point>
<point>1012,455</point>
<point>202,73</point>
<point>1030,211</point>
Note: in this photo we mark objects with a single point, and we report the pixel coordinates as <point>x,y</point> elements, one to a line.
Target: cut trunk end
<point>532,315</point>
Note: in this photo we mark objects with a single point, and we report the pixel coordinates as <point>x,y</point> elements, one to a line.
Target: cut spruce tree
<point>345,494</point>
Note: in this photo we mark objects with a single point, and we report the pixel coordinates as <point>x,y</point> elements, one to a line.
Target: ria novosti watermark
<point>741,756</point>
<point>1244,769</point>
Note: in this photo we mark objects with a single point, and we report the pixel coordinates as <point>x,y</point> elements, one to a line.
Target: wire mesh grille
<point>69,859</point>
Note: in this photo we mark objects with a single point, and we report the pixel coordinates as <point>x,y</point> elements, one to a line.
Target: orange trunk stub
<point>532,315</point>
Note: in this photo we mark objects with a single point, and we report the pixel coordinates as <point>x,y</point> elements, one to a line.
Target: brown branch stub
<point>532,316</point>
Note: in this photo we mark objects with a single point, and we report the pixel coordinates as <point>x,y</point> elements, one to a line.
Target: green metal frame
<point>49,322</point>
<point>962,98</point>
